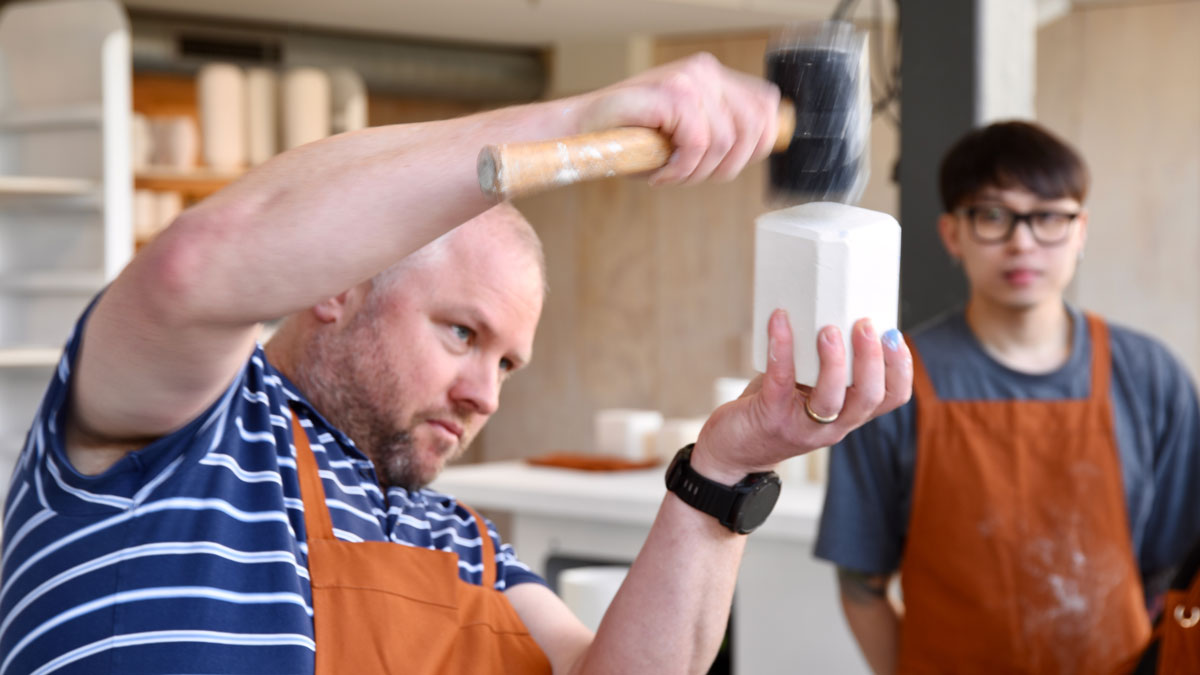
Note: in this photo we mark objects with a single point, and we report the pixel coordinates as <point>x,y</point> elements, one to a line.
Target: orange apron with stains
<point>381,607</point>
<point>1018,557</point>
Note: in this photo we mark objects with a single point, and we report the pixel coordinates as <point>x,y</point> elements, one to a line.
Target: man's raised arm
<point>176,326</point>
<point>670,613</point>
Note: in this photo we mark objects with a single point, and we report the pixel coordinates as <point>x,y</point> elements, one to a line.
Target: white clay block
<point>627,433</point>
<point>677,432</point>
<point>825,263</point>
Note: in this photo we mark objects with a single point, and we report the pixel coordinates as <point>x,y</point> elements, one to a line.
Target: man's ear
<point>340,306</point>
<point>949,231</point>
<point>330,310</point>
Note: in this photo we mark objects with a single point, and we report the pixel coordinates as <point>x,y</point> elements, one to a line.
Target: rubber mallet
<point>820,149</point>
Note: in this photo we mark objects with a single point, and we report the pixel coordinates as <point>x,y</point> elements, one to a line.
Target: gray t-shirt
<point>1156,416</point>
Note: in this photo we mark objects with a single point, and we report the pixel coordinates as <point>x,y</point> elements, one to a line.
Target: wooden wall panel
<point>1123,84</point>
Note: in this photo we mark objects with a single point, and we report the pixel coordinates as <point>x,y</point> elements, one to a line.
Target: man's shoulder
<point>1130,342</point>
<point>1142,358</point>
<point>1135,346</point>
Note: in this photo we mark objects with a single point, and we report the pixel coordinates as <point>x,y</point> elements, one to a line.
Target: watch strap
<point>704,494</point>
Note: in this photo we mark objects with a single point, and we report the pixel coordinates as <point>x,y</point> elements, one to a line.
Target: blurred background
<point>114,117</point>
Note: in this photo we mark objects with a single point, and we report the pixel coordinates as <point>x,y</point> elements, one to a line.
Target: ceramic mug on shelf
<point>221,94</point>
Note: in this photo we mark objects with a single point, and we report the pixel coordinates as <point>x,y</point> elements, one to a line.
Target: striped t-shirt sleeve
<point>190,553</point>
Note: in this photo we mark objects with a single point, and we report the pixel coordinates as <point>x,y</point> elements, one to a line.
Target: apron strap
<point>1101,358</point>
<point>487,550</point>
<point>922,386</point>
<point>317,524</point>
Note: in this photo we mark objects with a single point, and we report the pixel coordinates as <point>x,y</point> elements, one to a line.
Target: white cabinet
<point>65,186</point>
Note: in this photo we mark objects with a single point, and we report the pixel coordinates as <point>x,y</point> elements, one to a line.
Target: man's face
<point>1019,273</point>
<point>415,372</point>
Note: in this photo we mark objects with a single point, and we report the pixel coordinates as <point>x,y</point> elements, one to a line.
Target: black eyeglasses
<point>994,224</point>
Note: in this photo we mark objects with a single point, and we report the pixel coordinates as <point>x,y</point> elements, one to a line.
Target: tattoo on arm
<point>861,587</point>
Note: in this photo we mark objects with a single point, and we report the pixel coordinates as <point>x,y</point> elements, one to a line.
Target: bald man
<point>190,501</point>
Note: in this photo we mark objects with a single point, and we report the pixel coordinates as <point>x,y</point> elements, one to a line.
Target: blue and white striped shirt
<point>189,555</point>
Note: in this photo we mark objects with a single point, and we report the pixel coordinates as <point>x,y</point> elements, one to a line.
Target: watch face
<point>757,505</point>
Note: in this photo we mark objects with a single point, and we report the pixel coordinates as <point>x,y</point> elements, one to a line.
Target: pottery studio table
<point>787,616</point>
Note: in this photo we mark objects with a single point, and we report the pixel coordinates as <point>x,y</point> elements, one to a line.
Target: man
<point>188,501</point>
<point>1039,482</point>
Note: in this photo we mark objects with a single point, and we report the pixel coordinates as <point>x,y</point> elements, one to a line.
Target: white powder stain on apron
<point>1072,589</point>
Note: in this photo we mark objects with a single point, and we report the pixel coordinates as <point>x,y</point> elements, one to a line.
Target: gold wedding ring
<point>819,419</point>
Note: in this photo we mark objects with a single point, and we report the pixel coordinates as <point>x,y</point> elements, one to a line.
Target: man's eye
<point>995,215</point>
<point>506,365</point>
<point>462,332</point>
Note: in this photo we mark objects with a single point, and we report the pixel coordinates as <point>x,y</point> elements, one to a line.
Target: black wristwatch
<point>741,507</point>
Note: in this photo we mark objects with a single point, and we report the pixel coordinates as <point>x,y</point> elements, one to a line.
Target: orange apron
<point>1175,646</point>
<point>381,607</point>
<point>1178,634</point>
<point>1018,557</point>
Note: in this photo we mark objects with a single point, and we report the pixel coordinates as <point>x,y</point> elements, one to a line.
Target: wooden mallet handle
<point>519,169</point>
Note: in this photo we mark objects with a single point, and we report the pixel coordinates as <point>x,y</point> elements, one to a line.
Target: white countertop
<point>630,497</point>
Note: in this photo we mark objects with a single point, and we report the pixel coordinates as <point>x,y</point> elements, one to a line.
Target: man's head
<point>409,364</point>
<point>1013,197</point>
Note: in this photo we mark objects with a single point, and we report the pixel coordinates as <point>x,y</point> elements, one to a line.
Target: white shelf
<point>82,115</point>
<point>48,186</point>
<point>52,282</point>
<point>29,357</point>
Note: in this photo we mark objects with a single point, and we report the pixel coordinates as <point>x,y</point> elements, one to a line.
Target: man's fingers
<point>747,124</point>
<point>898,372</point>
<point>690,133</point>
<point>779,380</point>
<point>865,396</point>
<point>718,119</point>
<point>765,97</point>
<point>828,395</point>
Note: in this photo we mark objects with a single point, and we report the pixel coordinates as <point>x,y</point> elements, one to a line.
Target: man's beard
<point>336,377</point>
<point>395,463</point>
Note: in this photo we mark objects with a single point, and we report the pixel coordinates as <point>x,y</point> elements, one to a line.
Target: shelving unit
<point>29,357</point>
<point>65,186</point>
<point>194,184</point>
<point>70,116</point>
<point>52,282</point>
<point>22,186</point>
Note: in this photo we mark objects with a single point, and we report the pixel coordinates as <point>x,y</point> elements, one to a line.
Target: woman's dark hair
<point>1011,155</point>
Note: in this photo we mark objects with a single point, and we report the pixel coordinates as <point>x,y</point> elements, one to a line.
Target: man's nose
<point>478,387</point>
<point>1021,236</point>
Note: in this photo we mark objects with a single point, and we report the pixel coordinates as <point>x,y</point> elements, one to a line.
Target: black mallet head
<point>822,68</point>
